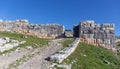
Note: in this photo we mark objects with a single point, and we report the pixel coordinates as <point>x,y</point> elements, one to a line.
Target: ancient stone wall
<point>39,30</point>
<point>76,31</point>
<point>100,35</point>
<point>68,33</point>
<point>63,54</point>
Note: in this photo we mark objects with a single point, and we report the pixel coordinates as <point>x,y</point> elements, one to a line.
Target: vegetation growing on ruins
<point>67,41</point>
<point>91,57</point>
<point>30,40</point>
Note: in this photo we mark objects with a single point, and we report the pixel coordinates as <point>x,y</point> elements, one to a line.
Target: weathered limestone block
<point>39,30</point>
<point>101,35</point>
<point>63,54</point>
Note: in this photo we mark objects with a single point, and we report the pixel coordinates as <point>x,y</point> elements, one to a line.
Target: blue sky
<point>64,12</point>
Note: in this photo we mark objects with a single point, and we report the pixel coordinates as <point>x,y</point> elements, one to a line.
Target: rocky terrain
<point>29,56</point>
<point>39,60</point>
<point>35,57</point>
<point>32,54</point>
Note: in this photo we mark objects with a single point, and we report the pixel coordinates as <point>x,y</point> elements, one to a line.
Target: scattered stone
<point>3,54</point>
<point>7,44</point>
<point>22,42</point>
<point>24,36</point>
<point>84,55</point>
<point>107,62</point>
<point>14,41</point>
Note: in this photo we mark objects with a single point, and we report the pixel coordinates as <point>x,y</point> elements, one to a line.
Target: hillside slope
<point>12,58</point>
<point>30,40</point>
<point>91,57</point>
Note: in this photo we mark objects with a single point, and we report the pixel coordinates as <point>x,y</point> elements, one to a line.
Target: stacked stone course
<point>100,35</point>
<point>88,31</point>
<point>39,30</point>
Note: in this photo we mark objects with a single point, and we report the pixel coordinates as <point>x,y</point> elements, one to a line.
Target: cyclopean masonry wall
<point>100,35</point>
<point>39,30</point>
<point>63,54</point>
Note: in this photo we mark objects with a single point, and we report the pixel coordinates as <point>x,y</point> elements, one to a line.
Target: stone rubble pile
<point>63,54</point>
<point>100,35</point>
<point>6,43</point>
<point>39,30</point>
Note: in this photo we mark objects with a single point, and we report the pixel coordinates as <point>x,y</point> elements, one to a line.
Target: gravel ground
<point>38,61</point>
<point>11,57</point>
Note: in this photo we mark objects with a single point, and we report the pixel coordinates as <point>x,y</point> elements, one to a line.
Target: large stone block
<point>102,34</point>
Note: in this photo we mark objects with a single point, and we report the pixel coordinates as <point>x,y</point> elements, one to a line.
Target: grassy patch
<point>30,40</point>
<point>91,57</point>
<point>67,41</point>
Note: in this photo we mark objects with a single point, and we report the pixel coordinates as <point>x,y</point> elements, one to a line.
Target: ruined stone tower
<point>100,35</point>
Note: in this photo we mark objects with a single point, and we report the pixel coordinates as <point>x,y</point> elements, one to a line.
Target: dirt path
<point>11,57</point>
<point>38,61</point>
